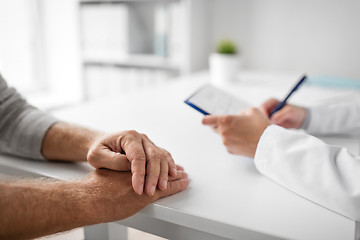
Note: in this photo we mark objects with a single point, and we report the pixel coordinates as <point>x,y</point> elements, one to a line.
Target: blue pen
<point>283,103</point>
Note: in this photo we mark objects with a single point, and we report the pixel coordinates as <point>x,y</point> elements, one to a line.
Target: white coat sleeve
<point>327,175</point>
<point>335,119</point>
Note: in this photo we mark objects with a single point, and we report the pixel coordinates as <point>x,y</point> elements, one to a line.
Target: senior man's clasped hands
<point>129,150</point>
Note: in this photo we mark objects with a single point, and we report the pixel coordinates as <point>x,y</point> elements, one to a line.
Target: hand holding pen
<point>283,114</point>
<point>280,105</point>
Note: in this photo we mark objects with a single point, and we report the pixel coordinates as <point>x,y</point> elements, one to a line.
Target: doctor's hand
<point>129,150</point>
<point>290,116</point>
<point>240,133</point>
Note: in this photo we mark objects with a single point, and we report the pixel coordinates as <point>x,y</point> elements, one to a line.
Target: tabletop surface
<point>225,191</point>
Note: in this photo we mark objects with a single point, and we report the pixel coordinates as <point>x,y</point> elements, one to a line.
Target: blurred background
<point>58,53</point>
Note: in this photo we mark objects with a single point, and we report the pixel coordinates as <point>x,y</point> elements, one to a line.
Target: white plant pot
<point>224,68</point>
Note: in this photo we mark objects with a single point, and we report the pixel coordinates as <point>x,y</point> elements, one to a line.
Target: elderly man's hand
<point>240,133</point>
<point>33,208</point>
<point>130,150</point>
<point>113,198</point>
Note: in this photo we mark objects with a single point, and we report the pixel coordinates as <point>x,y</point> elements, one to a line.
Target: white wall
<point>199,29</point>
<point>317,36</point>
<point>62,48</point>
<point>17,40</point>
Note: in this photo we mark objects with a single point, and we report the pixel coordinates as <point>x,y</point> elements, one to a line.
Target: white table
<point>227,197</point>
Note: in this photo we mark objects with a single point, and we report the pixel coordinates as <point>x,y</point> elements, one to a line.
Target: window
<point>39,50</point>
<point>20,39</point>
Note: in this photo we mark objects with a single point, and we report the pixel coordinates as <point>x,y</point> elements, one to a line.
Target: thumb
<point>268,106</point>
<point>105,158</point>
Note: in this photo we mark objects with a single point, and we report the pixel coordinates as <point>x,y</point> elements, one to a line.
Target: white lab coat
<point>328,175</point>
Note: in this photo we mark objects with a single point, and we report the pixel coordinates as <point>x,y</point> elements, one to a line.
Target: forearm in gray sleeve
<point>22,126</point>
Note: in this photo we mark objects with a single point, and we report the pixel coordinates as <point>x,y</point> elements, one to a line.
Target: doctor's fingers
<point>211,120</point>
<point>284,115</point>
<point>221,123</point>
<point>269,105</point>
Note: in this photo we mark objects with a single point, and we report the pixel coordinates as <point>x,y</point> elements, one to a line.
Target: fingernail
<point>164,183</point>
<point>152,190</point>
<point>140,189</point>
<point>175,170</point>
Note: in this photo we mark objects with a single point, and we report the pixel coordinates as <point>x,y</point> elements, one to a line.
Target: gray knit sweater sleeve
<point>22,126</point>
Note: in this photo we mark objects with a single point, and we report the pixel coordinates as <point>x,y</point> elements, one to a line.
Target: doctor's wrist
<point>306,121</point>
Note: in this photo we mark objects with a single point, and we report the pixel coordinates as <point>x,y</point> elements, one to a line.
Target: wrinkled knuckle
<point>157,159</point>
<point>133,133</point>
<point>93,162</point>
<point>163,155</point>
<point>152,152</point>
<point>140,159</point>
<point>154,158</point>
<point>152,176</point>
<point>91,155</point>
<point>115,158</point>
<point>169,156</point>
<point>166,152</point>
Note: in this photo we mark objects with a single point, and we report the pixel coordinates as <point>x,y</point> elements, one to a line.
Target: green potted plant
<point>224,63</point>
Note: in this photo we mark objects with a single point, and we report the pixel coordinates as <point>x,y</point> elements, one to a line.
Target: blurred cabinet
<point>126,45</point>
